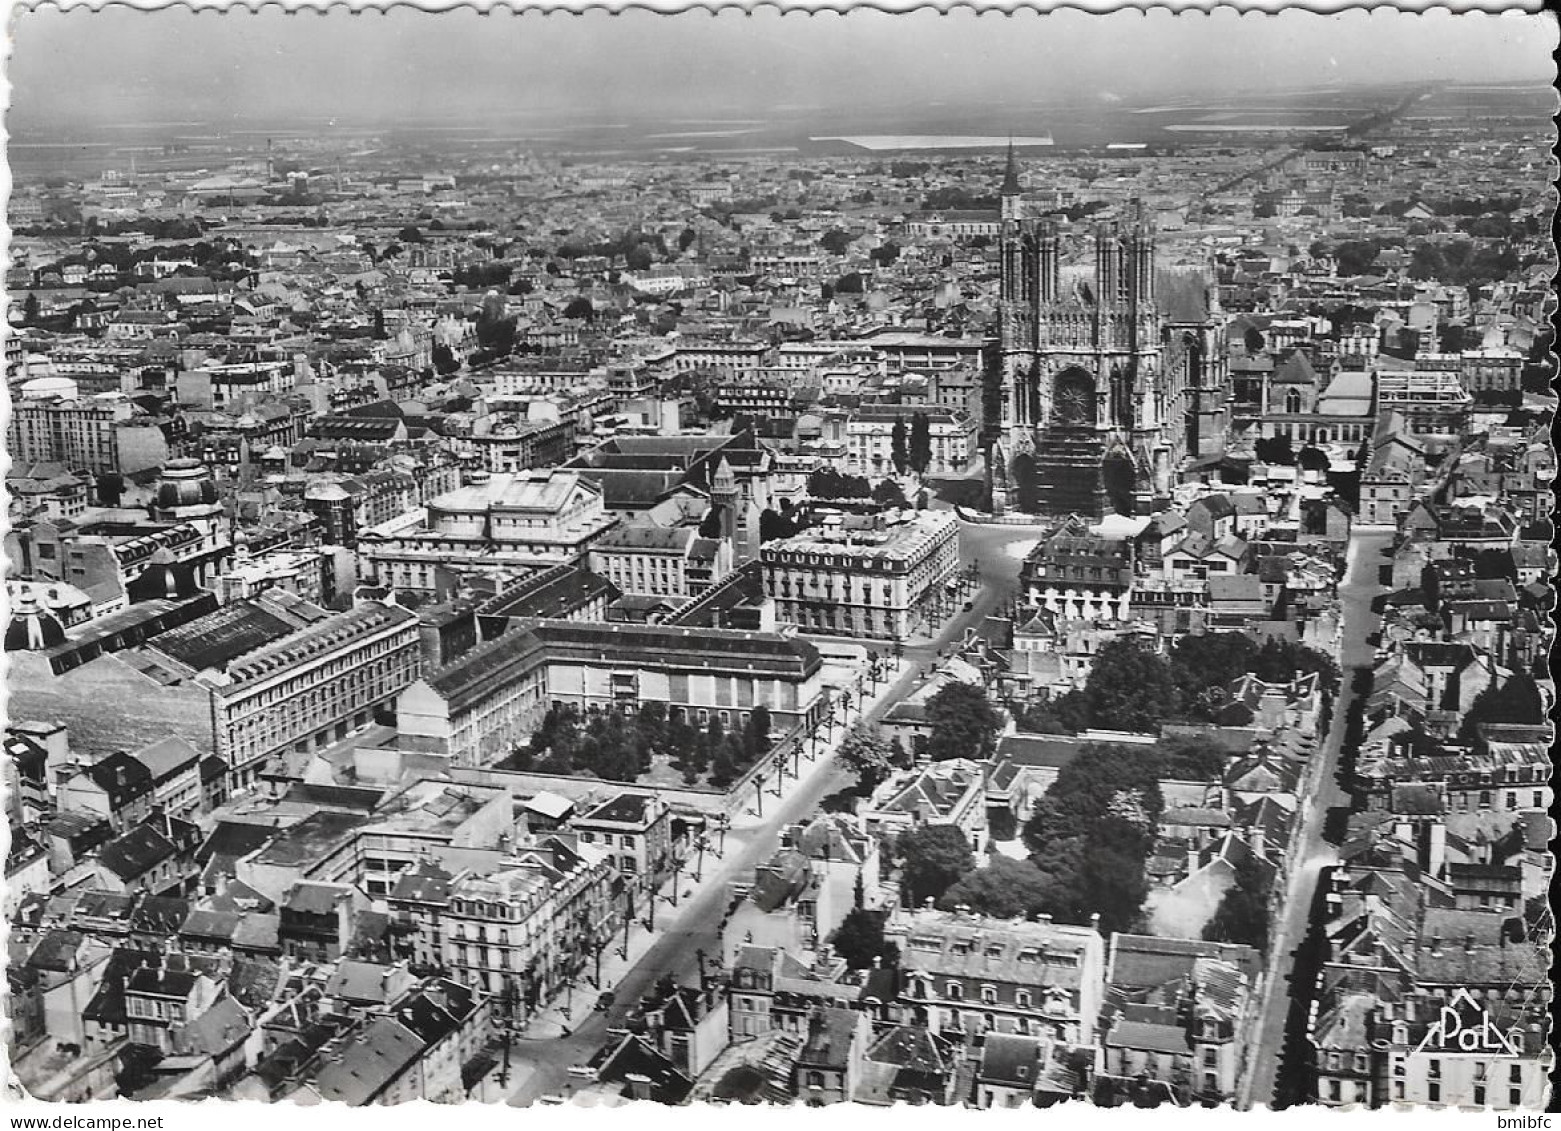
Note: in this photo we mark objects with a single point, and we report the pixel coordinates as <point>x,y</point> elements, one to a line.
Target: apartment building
<point>965,975</point>
<point>659,561</point>
<point>311,687</point>
<point>871,583</point>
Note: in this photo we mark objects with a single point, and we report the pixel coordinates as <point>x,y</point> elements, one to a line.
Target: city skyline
<point>875,560</point>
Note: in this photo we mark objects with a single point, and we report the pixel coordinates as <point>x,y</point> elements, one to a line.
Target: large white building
<point>514,523</point>
<point>870,583</point>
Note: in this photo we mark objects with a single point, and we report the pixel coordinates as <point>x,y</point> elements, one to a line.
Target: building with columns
<point>1108,376</point>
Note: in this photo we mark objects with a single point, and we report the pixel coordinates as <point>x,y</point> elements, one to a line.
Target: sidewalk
<point>746,816</point>
<point>550,1021</point>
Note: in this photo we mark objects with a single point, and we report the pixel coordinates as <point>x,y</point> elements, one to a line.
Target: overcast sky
<point>122,65</point>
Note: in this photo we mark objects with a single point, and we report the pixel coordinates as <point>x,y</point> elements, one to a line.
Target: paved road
<point>1314,853</point>
<point>540,1067</point>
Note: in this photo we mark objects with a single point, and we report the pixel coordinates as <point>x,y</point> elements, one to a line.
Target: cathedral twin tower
<point>1106,384</point>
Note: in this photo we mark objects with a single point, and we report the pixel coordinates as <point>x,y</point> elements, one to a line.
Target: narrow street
<point>540,1066</point>
<point>1263,1083</point>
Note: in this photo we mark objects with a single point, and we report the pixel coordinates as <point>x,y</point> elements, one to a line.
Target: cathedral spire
<point>1011,173</point>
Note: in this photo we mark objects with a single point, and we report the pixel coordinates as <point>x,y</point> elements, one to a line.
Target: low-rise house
<point>908,1064</point>
<point>1009,1070</point>
<point>377,1066</point>
<point>688,1026</point>
<point>316,920</point>
<point>952,792</point>
<point>829,1067</point>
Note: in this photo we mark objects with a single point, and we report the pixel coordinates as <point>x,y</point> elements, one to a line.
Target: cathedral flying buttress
<point>1106,384</point>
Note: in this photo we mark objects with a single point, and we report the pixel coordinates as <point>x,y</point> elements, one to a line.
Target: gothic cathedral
<point>1106,386</point>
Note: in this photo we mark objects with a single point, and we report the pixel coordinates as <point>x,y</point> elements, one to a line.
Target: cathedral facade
<point>1108,379</point>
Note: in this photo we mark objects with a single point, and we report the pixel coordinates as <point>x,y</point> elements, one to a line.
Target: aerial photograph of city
<point>561,561</point>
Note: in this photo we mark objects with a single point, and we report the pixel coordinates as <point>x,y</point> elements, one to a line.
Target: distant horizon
<point>125,69</point>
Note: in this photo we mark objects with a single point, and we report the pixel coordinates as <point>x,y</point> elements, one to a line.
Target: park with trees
<point>1087,842</point>
<point>648,743</point>
<point>1133,687</point>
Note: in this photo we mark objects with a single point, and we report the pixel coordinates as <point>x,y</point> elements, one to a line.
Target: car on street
<point>604,1001</point>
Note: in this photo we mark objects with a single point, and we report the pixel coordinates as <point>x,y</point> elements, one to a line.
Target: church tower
<point>726,497</point>
<point>1091,372</point>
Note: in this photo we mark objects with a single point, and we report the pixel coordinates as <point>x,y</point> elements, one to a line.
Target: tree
<point>886,254</point>
<point>1005,889</point>
<point>379,325</point>
<point>756,733</point>
<point>1203,668</point>
<point>409,234</point>
<point>1275,449</point>
<point>110,486</point>
<point>773,525</point>
<point>30,310</point>
<point>889,494</point>
<point>1073,711</point>
<point>1242,914</point>
<point>1092,832</point>
<point>963,722</point>
<point>638,258</point>
<point>1130,686</point>
<point>848,284</point>
<point>827,483</point>
<point>835,241</point>
<point>921,443</point>
<point>686,239</point>
<point>899,449</point>
<point>859,939</point>
<point>933,859</point>
<point>723,771</point>
<point>1280,661</point>
<point>1189,758</point>
<point>866,752</point>
<point>1038,718</point>
<point>445,361</point>
<point>580,307</point>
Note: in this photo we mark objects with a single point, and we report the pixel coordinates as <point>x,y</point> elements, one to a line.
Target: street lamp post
<point>726,823</point>
<point>699,869</point>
